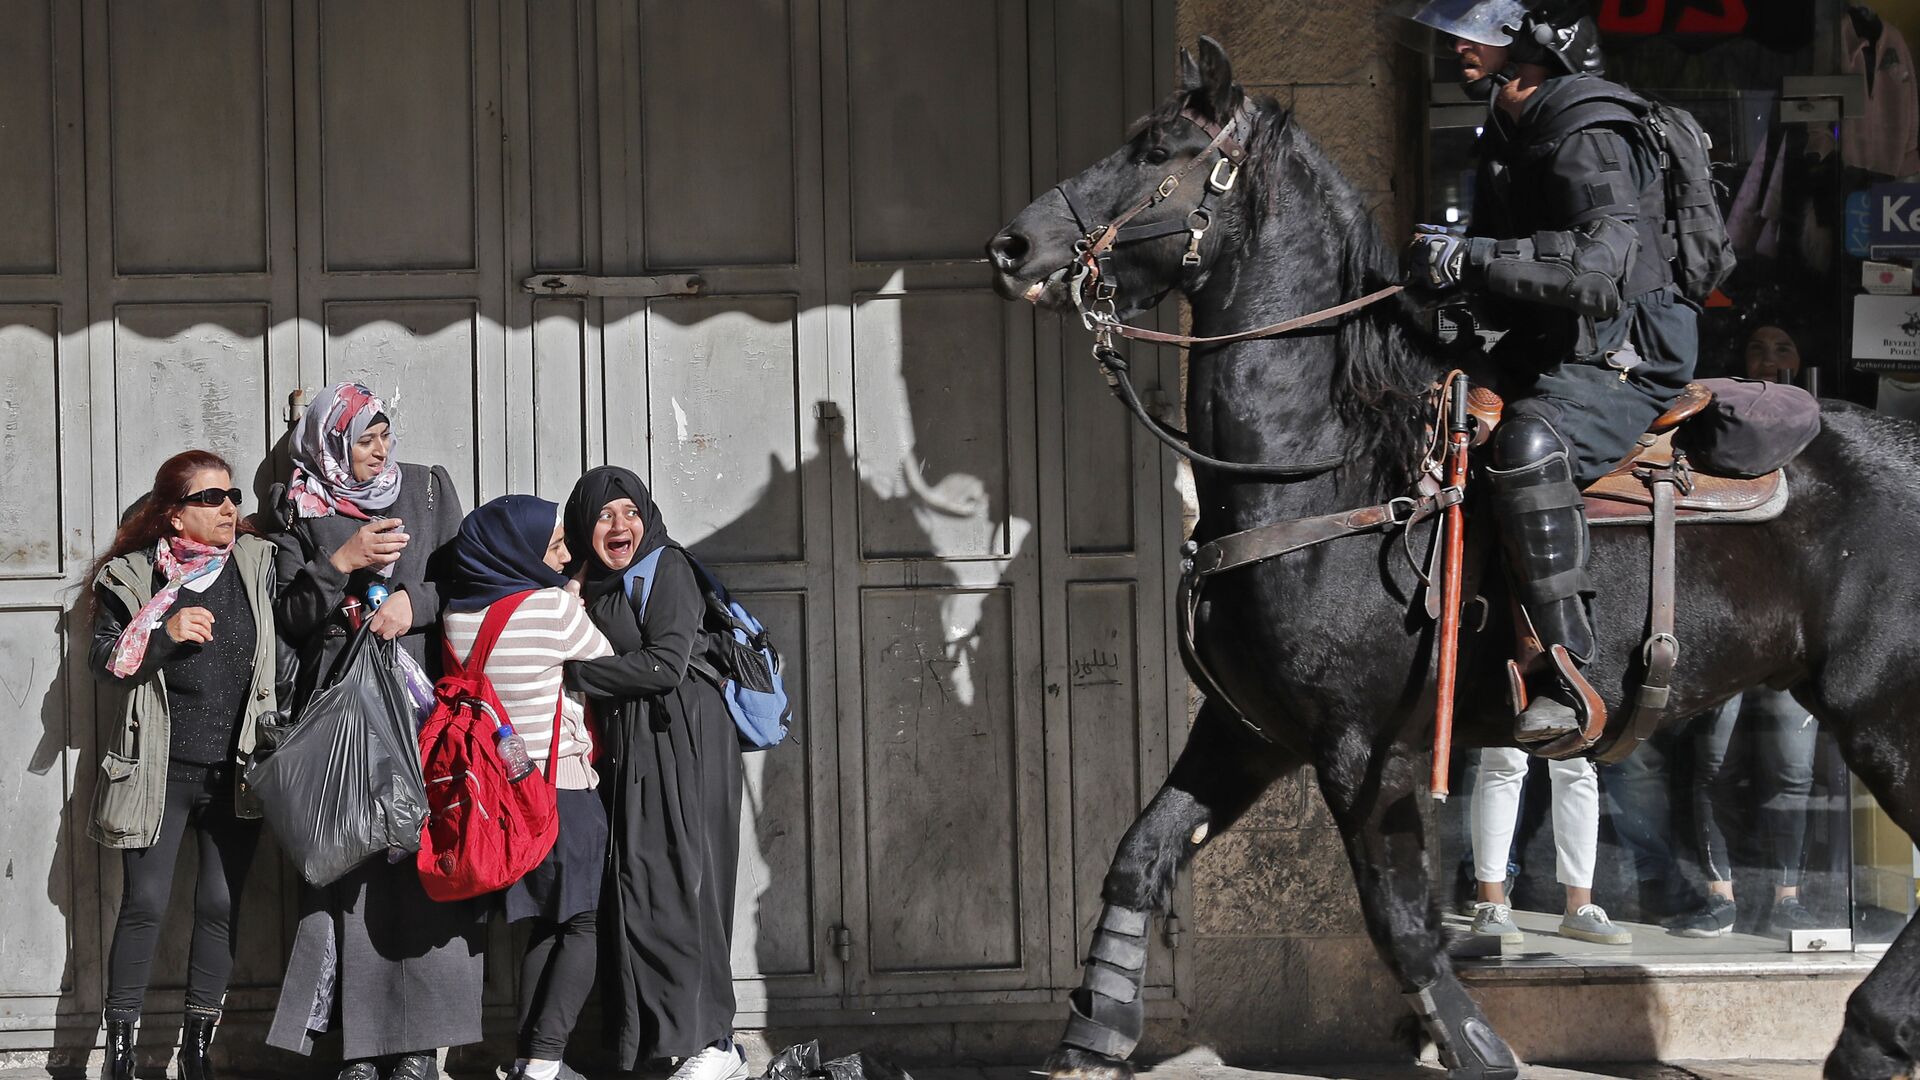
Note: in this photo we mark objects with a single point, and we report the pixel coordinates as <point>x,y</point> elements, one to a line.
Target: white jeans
<point>1496,806</point>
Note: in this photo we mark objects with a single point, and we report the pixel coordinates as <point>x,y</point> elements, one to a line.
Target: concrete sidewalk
<point>1678,1070</point>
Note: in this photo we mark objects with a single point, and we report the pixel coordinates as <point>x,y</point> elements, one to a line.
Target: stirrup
<point>1588,707</point>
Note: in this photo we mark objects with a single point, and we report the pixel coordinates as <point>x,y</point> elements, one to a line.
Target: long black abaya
<point>672,779</point>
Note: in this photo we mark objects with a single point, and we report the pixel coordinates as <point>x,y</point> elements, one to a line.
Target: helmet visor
<point>1488,22</point>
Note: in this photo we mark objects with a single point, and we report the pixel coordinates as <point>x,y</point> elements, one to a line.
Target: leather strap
<point>491,628</point>
<point>1123,921</point>
<point>1288,326</point>
<point>1285,537</point>
<point>1089,1034</point>
<point>1662,649</point>
<point>1130,955</point>
<point>1105,980</point>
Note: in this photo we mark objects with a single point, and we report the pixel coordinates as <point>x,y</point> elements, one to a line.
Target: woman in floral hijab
<point>396,974</point>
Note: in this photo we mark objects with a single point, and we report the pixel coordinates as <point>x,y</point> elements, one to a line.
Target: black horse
<point>1319,648</point>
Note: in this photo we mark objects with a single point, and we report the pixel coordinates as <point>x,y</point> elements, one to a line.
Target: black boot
<point>196,1044</point>
<point>359,1070</point>
<point>419,1065</point>
<point>1543,528</point>
<point>119,1050</point>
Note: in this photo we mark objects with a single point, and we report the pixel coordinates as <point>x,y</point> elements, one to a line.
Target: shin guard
<point>1108,1016</point>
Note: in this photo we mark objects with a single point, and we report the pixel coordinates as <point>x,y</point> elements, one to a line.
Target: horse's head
<point>1169,180</point>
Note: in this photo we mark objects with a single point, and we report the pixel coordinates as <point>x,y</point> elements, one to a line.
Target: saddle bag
<point>1751,428</point>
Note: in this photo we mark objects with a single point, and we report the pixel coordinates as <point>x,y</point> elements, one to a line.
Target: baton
<point>1454,536</point>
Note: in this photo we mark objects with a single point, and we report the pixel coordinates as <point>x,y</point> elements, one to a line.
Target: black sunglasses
<point>213,497</point>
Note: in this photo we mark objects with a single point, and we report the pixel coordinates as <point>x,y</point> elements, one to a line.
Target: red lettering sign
<point>1700,17</point>
<point>1731,20</point>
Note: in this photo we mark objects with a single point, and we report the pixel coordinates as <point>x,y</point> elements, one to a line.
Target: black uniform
<point>1566,245</point>
<point>1567,249</point>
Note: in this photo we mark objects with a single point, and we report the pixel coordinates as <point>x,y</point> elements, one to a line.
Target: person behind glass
<point>183,628</point>
<point>1772,355</point>
<point>673,774</point>
<point>1780,740</point>
<point>396,974</point>
<point>516,546</point>
<point>1576,839</point>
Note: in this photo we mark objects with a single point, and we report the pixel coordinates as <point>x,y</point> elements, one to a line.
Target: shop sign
<point>1859,227</point>
<point>1886,328</point>
<point>1780,24</point>
<point>1894,219</point>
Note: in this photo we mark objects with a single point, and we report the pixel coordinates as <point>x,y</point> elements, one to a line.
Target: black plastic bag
<point>801,1061</point>
<point>343,783</point>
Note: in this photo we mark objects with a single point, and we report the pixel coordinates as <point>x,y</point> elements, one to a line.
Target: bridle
<point>1094,289</point>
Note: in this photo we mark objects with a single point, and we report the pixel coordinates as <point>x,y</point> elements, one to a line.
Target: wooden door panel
<point>927,146</point>
<point>942,789</point>
<point>30,445</point>
<point>396,114</point>
<point>775,916</point>
<point>28,162</point>
<point>720,188</point>
<point>39,888</point>
<point>557,134</point>
<point>725,416</point>
<point>422,357</point>
<point>931,426</point>
<point>189,136</point>
<point>191,376</point>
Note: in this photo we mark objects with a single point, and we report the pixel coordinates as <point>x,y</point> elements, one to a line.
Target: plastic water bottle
<point>513,752</point>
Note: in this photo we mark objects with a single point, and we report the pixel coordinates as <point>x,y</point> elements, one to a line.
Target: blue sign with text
<point>1894,219</point>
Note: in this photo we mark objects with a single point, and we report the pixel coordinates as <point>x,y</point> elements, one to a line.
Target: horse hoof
<point>1073,1063</point>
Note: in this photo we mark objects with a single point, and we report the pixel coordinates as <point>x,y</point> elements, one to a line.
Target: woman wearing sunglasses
<point>394,973</point>
<point>184,630</point>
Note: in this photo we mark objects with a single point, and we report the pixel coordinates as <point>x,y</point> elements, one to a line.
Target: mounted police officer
<point>1565,248</point>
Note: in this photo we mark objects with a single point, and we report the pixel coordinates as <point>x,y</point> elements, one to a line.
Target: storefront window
<point>1738,831</point>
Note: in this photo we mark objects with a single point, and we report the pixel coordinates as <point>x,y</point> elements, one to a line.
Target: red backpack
<point>483,832</point>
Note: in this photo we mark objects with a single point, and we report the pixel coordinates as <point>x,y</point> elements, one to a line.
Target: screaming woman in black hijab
<point>672,779</point>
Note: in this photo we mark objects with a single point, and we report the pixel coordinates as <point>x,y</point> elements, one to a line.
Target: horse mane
<point>1385,360</point>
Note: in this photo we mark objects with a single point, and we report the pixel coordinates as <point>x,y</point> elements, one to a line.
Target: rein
<point>1094,291</point>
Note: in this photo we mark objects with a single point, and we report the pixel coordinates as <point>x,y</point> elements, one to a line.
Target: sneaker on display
<point>1590,923</point>
<point>1710,921</point>
<point>1496,920</point>
<point>714,1063</point>
<point>1789,914</point>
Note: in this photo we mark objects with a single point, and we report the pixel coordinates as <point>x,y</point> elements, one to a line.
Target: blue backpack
<point>741,659</point>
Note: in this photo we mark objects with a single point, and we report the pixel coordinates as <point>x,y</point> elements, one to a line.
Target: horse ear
<point>1216,89</point>
<point>1189,71</point>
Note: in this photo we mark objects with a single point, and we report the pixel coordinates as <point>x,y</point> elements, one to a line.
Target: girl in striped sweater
<point>510,546</point>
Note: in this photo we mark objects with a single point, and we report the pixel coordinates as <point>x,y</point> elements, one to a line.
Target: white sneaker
<point>714,1063</point>
<point>1496,920</point>
<point>1590,923</point>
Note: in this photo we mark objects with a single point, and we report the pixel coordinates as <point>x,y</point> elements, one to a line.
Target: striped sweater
<point>547,629</point>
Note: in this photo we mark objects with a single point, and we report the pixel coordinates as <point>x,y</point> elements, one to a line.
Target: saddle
<point>1657,485</point>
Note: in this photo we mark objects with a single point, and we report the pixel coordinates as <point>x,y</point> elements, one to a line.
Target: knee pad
<point>1524,438</point>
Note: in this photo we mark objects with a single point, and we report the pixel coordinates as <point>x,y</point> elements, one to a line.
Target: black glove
<point>1436,260</point>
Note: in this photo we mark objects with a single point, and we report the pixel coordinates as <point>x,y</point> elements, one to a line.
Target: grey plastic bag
<point>801,1061</point>
<point>343,783</point>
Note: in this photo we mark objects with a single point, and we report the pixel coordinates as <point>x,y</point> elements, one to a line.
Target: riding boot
<point>196,1043</point>
<point>119,1052</point>
<point>1543,525</point>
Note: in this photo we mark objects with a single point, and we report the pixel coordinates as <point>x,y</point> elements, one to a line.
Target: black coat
<point>311,590</point>
<point>672,780</point>
<point>409,971</point>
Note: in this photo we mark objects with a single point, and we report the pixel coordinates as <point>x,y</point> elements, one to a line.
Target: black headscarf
<point>600,486</point>
<point>501,550</point>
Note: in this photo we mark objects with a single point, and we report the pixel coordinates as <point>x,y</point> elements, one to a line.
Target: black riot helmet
<point>1555,34</point>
